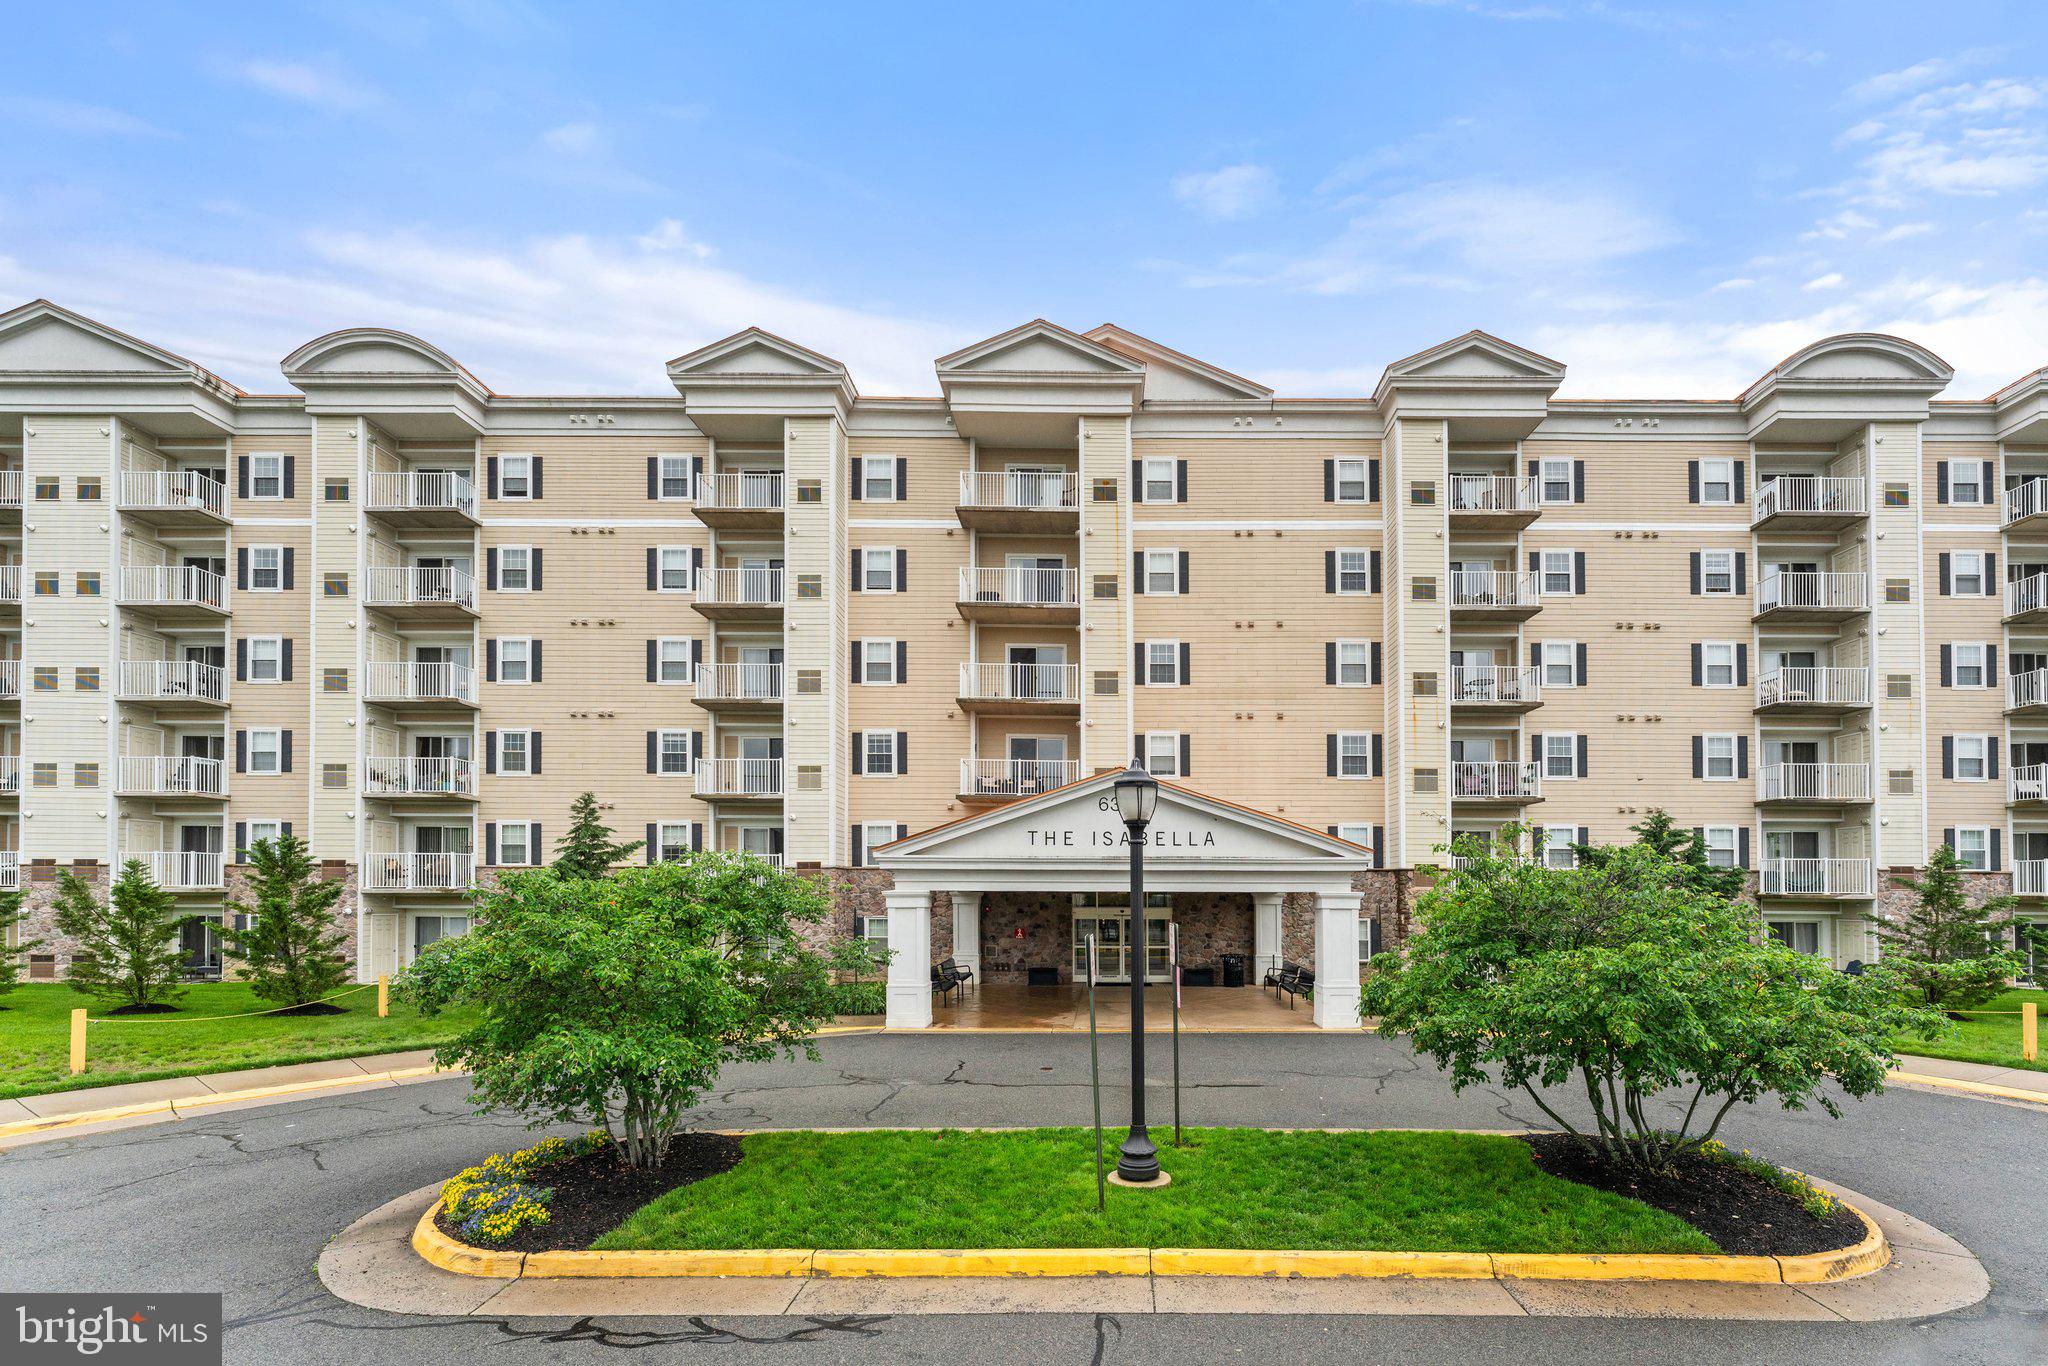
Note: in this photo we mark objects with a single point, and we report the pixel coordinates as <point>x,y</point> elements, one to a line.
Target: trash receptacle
<point>1234,965</point>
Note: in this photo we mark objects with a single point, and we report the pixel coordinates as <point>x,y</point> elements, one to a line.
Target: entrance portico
<point>1065,853</point>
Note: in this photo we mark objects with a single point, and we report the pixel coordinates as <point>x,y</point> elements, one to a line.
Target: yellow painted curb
<point>1055,1261</point>
<point>1671,1266</point>
<point>36,1126</point>
<point>182,1103</point>
<point>462,1259</point>
<point>1874,1253</point>
<point>669,1262</point>
<point>1980,1088</point>
<point>1202,1261</point>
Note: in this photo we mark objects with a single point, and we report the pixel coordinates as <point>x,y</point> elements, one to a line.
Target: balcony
<point>1021,689</point>
<point>1812,691</point>
<point>10,775</point>
<point>402,872</point>
<point>1814,877</point>
<point>1493,502</point>
<point>740,594</point>
<point>1805,595</point>
<point>1046,502</point>
<point>396,777</point>
<point>1825,783</point>
<point>175,593</point>
<point>741,500</point>
<point>10,870</point>
<point>2026,506</point>
<point>2027,787</point>
<point>426,498</point>
<point>1510,781</point>
<point>423,687</point>
<point>10,680</point>
<point>1493,595</point>
<point>1808,503</point>
<point>1495,687</point>
<point>1007,779</point>
<point>740,687</point>
<point>740,779</point>
<point>182,872</point>
<point>2027,694</point>
<point>172,682</point>
<point>10,490</point>
<point>170,777</point>
<point>2026,600</point>
<point>171,498</point>
<point>416,593</point>
<point>10,584</point>
<point>1016,593</point>
<point>2029,877</point>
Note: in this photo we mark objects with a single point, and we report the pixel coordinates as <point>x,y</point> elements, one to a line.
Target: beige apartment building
<point>895,640</point>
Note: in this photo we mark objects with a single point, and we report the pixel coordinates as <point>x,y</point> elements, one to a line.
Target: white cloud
<point>580,154</point>
<point>572,139</point>
<point>1973,138</point>
<point>1891,84</point>
<point>1902,231</point>
<point>1738,282</point>
<point>73,116</point>
<point>1831,280</point>
<point>323,83</point>
<point>1230,192</point>
<point>1510,229</point>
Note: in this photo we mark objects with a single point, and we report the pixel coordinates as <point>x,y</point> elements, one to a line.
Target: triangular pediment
<point>41,338</point>
<point>1174,377</point>
<point>1036,348</point>
<point>1479,357</point>
<point>755,352</point>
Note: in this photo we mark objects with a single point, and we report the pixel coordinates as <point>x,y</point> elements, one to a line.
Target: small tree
<point>588,850</point>
<point>291,950</point>
<point>616,1002</point>
<point>1947,949</point>
<point>1683,847</point>
<point>12,955</point>
<point>128,948</point>
<point>1624,983</point>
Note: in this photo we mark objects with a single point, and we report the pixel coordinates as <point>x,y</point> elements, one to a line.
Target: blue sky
<point>1668,198</point>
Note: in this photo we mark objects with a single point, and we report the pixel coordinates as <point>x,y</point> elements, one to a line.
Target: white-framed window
<point>259,831</point>
<point>515,752</point>
<point>1717,573</point>
<point>1721,844</point>
<point>266,659</point>
<point>1352,483</point>
<point>515,660</point>
<point>431,929</point>
<point>266,751</point>
<point>515,476</point>
<point>1966,482</point>
<point>671,841</point>
<point>1162,663</point>
<point>1973,846</point>
<point>878,478</point>
<point>1354,663</point>
<point>1719,752</point>
<point>266,568</point>
<point>1357,834</point>
<point>672,753</point>
<point>1560,756</point>
<point>1162,753</point>
<point>1717,481</point>
<point>1354,754</point>
<point>878,569</point>
<point>1717,664</point>
<point>1966,573</point>
<point>515,844</point>
<point>878,662</point>
<point>1972,764</point>
<point>875,929</point>
<point>1802,935</point>
<point>879,757</point>
<point>1162,573</point>
<point>1556,477</point>
<point>1556,573</point>
<point>1970,665</point>
<point>1160,484</point>
<point>672,660</point>
<point>1354,571</point>
<point>1557,846</point>
<point>266,476</point>
<point>1560,659</point>
<point>672,569</point>
<point>515,568</point>
<point>874,834</point>
<point>673,483</point>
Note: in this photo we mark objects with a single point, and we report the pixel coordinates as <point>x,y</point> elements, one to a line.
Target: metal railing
<point>2029,877</point>
<point>399,775</point>
<point>740,587</point>
<point>1814,877</point>
<point>10,678</point>
<point>2025,499</point>
<point>1813,686</point>
<point>1495,683</point>
<point>1813,783</point>
<point>403,682</point>
<point>1494,493</point>
<point>2027,783</point>
<point>10,583</point>
<point>412,585</point>
<point>402,872</point>
<point>10,774</point>
<point>741,491</point>
<point>181,872</point>
<point>1495,779</point>
<point>1020,586</point>
<point>173,585</point>
<point>169,490</point>
<point>739,777</point>
<point>422,491</point>
<point>2029,594</point>
<point>10,870</point>
<point>172,680</point>
<point>2029,689</point>
<point>1021,682</point>
<point>1805,588</point>
<point>1042,490</point>
<point>1492,588</point>
<point>1016,777</point>
<point>10,488</point>
<point>739,683</point>
<point>172,775</point>
<point>1808,494</point>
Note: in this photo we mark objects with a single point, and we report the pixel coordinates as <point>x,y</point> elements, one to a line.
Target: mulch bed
<point>1745,1215</point>
<point>154,1008</point>
<point>313,1008</point>
<point>594,1193</point>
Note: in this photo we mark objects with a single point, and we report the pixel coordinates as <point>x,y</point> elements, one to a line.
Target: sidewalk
<point>2013,1083</point>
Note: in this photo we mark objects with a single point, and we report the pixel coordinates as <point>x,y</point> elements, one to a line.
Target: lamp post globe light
<point>1137,797</point>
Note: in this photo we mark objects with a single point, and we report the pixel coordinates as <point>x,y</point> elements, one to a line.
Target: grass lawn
<point>1232,1188</point>
<point>35,1036</point>
<point>1991,1039</point>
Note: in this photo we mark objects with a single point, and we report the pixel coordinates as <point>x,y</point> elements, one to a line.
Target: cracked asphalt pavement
<point>243,1202</point>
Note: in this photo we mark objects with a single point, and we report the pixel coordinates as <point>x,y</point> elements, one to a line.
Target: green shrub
<point>493,1200</point>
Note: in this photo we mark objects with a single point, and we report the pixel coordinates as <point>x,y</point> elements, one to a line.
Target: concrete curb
<point>178,1108</point>
<point>1970,1088</point>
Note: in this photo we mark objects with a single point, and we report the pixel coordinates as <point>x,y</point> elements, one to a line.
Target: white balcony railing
<point>740,587</point>
<point>1495,683</point>
<point>10,583</point>
<point>1813,783</point>
<point>398,775</point>
<point>173,680</point>
<point>741,491</point>
<point>1020,586</point>
<point>2027,783</point>
<point>414,586</point>
<point>2025,499</point>
<point>2029,689</point>
<point>10,488</point>
<point>10,678</point>
<point>1042,490</point>
<point>1809,495</point>
<point>1814,687</point>
<point>1808,589</point>
<point>1021,682</point>
<point>10,775</point>
<point>1814,877</point>
<point>1495,780</point>
<point>173,585</point>
<point>739,777</point>
<point>1492,588</point>
<point>1016,777</point>
<point>1493,493</point>
<point>173,490</point>
<point>2029,594</point>
<point>422,683</point>
<point>402,872</point>
<point>422,491</point>
<point>172,775</point>
<point>2029,877</point>
<point>10,867</point>
<point>180,872</point>
<point>739,683</point>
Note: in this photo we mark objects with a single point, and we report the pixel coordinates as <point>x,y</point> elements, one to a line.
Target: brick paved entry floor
<point>1203,1009</point>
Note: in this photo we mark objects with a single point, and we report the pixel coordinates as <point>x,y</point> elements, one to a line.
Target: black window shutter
<point>1585,834</point>
<point>1379,860</point>
<point>1948,756</point>
<point>241,751</point>
<point>1742,756</point>
<point>1579,572</point>
<point>241,841</point>
<point>696,475</point>
<point>534,485</point>
<point>1948,671</point>
<point>1378,768</point>
<point>241,659</point>
<point>242,567</point>
<point>491,490</point>
<point>696,837</point>
<point>1138,572</point>
<point>1329,756</point>
<point>653,477</point>
<point>854,650</point>
<point>1375,661</point>
<point>242,477</point>
<point>1180,481</point>
<point>653,842</point>
<point>1329,571</point>
<point>860,757</point>
<point>534,650</point>
<point>1695,573</point>
<point>1372,481</point>
<point>859,851</point>
<point>1185,752</point>
<point>697,658</point>
<point>653,660</point>
<point>1742,663</point>
<point>1991,756</point>
<point>533,752</point>
<point>491,568</point>
<point>291,578</point>
<point>491,660</point>
<point>1944,563</point>
<point>1373,560</point>
<point>902,478</point>
<point>902,752</point>
<point>902,570</point>
<point>1986,494</point>
<point>1997,854</point>
<point>853,488</point>
<point>1991,665</point>
<point>1941,481</point>
<point>1186,676</point>
<point>1535,748</point>
<point>653,569</point>
<point>1138,677</point>
<point>1699,756</point>
<point>1579,664</point>
<point>534,578</point>
<point>1578,481</point>
<point>1137,481</point>
<point>1692,483</point>
<point>1741,572</point>
<point>653,751</point>
<point>291,476</point>
<point>1990,573</point>
<point>491,827</point>
<point>902,661</point>
<point>490,751</point>
<point>1699,667</point>
<point>1742,845</point>
<point>1582,756</point>
<point>1741,495</point>
<point>1329,481</point>
<point>1183,572</point>
<point>1329,663</point>
<point>1948,837</point>
<point>697,569</point>
<point>284,664</point>
<point>284,751</point>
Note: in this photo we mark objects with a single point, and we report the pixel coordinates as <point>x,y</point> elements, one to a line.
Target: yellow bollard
<point>2030,1030</point>
<point>383,996</point>
<point>77,1042</point>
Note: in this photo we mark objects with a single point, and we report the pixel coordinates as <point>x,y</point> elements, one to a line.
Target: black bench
<point>1274,975</point>
<point>952,969</point>
<point>947,979</point>
<point>1302,983</point>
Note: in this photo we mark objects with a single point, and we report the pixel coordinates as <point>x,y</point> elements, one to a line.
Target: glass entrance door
<point>1114,947</point>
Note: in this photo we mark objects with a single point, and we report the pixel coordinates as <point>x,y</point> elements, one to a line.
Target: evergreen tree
<point>587,850</point>
<point>128,949</point>
<point>13,955</point>
<point>1685,847</point>
<point>1947,949</point>
<point>291,949</point>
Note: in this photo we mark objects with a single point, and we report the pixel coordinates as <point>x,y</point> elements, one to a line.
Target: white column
<point>1336,1003</point>
<point>910,966</point>
<point>967,932</point>
<point>1265,934</point>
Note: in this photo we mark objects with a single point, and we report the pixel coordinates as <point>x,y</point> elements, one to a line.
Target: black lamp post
<point>1137,796</point>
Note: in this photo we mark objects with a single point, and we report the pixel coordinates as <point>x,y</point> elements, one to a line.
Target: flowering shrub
<point>493,1200</point>
<point>1817,1203</point>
